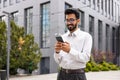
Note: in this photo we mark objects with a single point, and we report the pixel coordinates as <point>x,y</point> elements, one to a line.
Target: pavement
<point>102,75</point>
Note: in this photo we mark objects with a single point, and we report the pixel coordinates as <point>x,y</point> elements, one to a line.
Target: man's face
<point>71,22</point>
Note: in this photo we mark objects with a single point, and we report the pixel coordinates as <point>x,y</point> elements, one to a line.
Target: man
<point>73,54</point>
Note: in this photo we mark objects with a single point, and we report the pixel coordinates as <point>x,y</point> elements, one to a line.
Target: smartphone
<point>59,38</point>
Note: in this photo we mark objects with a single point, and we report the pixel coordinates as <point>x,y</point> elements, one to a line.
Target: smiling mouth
<point>70,25</point>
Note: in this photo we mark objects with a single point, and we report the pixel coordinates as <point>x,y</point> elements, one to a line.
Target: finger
<point>66,42</point>
<point>59,42</point>
<point>57,48</point>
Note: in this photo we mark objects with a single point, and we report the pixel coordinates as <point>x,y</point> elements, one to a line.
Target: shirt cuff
<point>57,55</point>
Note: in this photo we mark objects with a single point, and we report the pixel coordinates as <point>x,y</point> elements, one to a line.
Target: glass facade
<point>102,4</point>
<point>113,40</point>
<point>91,25</point>
<point>0,4</point>
<point>82,20</point>
<point>15,17</point>
<point>84,1</point>
<point>109,6</point>
<point>89,2</point>
<point>17,1</point>
<point>113,8</point>
<point>45,25</point>
<point>29,20</point>
<point>98,5</point>
<point>106,6</point>
<point>100,37</point>
<point>115,11</point>
<point>94,3</point>
<point>10,2</point>
<point>107,36</point>
<point>45,65</point>
<point>4,3</point>
<point>66,7</point>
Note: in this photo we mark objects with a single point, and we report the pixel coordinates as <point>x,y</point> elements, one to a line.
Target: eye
<point>70,20</point>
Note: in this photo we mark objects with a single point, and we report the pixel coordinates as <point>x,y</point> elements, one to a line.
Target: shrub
<point>104,68</point>
<point>113,66</point>
<point>88,67</point>
<point>91,66</point>
<point>101,61</point>
<point>100,56</point>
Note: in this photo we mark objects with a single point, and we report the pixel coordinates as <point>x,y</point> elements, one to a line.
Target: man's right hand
<point>58,47</point>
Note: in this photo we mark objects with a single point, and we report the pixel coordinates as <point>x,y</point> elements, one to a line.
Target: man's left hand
<point>66,47</point>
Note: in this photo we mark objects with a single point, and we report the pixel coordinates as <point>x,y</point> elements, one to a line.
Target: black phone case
<point>59,38</point>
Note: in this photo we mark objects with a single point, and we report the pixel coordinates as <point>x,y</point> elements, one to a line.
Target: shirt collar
<point>74,33</point>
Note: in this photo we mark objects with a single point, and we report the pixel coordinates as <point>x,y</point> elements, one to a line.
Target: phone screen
<point>59,38</point>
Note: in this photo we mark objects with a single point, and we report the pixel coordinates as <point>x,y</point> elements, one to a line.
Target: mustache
<point>70,25</point>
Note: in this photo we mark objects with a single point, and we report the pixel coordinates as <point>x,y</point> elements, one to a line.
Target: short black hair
<point>72,11</point>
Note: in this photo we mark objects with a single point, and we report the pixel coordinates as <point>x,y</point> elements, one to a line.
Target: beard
<point>71,27</point>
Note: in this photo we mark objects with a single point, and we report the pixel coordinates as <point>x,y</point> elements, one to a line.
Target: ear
<point>78,20</point>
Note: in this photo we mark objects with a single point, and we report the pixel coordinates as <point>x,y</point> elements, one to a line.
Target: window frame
<point>44,38</point>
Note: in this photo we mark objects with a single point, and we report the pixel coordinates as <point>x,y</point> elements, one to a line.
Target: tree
<point>3,44</point>
<point>25,52</point>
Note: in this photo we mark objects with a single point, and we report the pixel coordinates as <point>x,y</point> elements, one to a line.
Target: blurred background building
<point>44,18</point>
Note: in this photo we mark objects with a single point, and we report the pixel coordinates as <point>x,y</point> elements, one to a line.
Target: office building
<point>44,18</point>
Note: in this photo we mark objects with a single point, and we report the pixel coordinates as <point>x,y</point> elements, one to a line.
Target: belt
<point>82,70</point>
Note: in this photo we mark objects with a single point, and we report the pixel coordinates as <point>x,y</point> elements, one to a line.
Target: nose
<point>68,22</point>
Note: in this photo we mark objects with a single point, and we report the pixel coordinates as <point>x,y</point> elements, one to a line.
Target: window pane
<point>0,4</point>
<point>91,25</point>
<point>98,5</point>
<point>100,35</point>
<point>107,36</point>
<point>29,20</point>
<point>109,6</point>
<point>45,65</point>
<point>15,17</point>
<point>45,25</point>
<point>66,7</point>
<point>106,6</point>
<point>89,2</point>
<point>17,1</point>
<point>11,2</point>
<point>113,40</point>
<point>81,24</point>
<point>102,4</point>
<point>4,3</point>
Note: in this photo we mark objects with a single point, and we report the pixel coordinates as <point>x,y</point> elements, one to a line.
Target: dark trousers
<point>71,76</point>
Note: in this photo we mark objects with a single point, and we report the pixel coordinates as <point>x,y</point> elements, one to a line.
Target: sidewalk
<point>103,75</point>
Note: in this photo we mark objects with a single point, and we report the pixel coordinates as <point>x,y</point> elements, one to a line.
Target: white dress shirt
<point>79,55</point>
